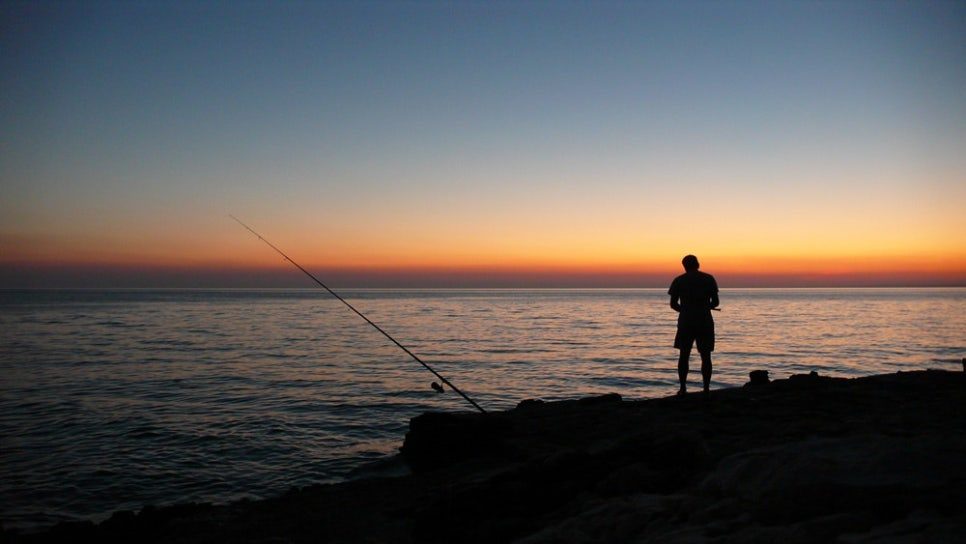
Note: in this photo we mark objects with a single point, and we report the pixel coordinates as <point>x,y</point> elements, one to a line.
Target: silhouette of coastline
<point>805,459</point>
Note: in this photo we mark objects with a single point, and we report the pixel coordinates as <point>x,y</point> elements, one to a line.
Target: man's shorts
<point>691,333</point>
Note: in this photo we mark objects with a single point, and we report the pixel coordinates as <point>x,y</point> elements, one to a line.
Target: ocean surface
<point>114,399</point>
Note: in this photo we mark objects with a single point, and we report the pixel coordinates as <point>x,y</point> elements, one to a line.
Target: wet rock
<point>73,531</point>
<point>120,521</point>
<point>436,440</point>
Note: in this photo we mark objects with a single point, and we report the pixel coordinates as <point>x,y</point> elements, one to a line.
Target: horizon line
<point>432,288</point>
<point>27,275</point>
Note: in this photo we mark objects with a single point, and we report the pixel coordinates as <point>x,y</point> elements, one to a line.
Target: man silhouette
<point>693,295</point>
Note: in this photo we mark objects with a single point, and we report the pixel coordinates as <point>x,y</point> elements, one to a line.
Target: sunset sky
<point>482,143</point>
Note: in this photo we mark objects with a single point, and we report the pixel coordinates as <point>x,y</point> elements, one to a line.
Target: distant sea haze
<point>111,399</point>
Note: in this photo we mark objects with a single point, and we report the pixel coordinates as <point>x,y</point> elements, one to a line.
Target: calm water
<point>114,399</point>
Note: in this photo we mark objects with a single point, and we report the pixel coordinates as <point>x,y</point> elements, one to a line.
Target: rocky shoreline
<point>806,459</point>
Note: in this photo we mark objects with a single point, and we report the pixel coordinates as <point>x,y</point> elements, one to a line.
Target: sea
<point>115,399</point>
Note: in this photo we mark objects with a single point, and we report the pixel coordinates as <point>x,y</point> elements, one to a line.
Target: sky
<point>482,144</point>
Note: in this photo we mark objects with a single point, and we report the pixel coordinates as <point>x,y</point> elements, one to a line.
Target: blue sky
<point>129,126</point>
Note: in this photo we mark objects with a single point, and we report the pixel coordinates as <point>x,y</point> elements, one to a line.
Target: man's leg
<point>706,369</point>
<point>683,360</point>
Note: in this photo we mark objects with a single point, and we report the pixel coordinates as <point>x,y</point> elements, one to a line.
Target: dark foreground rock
<point>807,459</point>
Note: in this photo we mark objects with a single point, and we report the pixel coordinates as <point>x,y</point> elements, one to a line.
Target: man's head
<point>690,263</point>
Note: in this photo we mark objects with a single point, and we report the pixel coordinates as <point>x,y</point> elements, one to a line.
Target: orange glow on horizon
<point>616,256</point>
<point>731,271</point>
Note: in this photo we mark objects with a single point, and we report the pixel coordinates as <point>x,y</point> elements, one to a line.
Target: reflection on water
<point>113,399</point>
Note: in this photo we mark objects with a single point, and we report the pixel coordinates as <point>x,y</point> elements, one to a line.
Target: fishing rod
<point>351,307</point>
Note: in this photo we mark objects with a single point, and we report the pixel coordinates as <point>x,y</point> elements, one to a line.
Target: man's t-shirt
<point>695,290</point>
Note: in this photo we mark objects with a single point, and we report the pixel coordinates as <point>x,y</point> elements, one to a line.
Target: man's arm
<point>714,293</point>
<point>675,292</point>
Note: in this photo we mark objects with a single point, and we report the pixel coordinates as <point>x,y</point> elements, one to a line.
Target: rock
<point>73,531</point>
<point>758,378</point>
<point>802,460</point>
<point>635,478</point>
<point>816,477</point>
<point>529,403</point>
<point>812,379</point>
<point>684,450</point>
<point>121,519</point>
<point>601,399</point>
<point>438,439</point>
<point>676,459</point>
<point>616,520</point>
<point>918,527</point>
